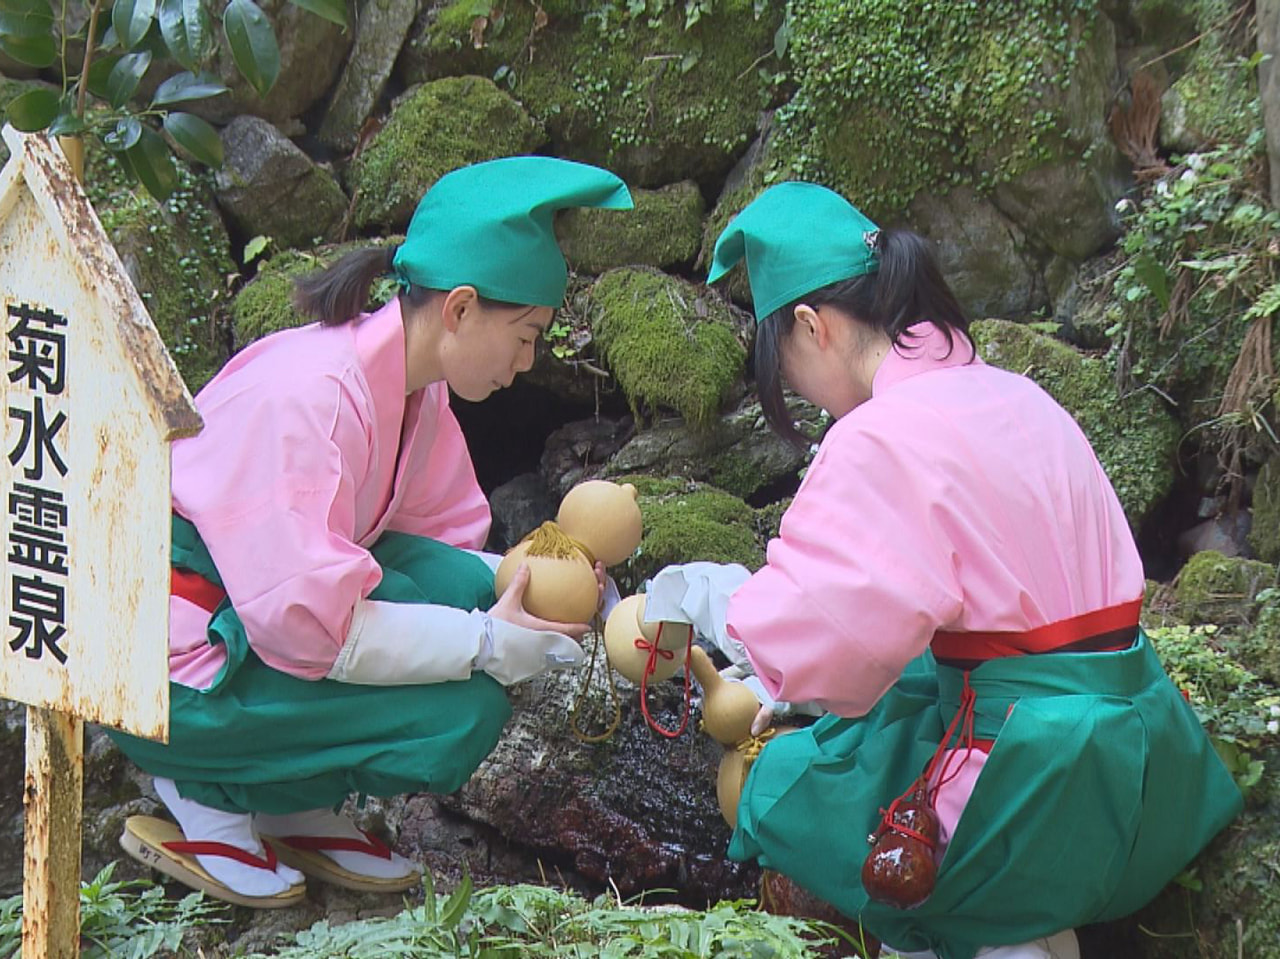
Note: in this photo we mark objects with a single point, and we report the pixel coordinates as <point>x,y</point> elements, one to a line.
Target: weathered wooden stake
<point>51,803</point>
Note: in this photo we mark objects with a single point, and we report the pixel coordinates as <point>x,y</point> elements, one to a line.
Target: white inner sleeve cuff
<point>395,644</point>
<point>490,559</point>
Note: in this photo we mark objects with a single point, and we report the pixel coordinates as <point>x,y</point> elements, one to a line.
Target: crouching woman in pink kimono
<point>956,585</point>
<point>332,630</point>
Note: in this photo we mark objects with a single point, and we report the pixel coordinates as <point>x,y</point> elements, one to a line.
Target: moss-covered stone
<point>1264,533</point>
<point>663,230</point>
<point>1214,100</point>
<point>265,305</point>
<point>1213,588</point>
<point>649,94</point>
<point>686,521</point>
<point>888,106</point>
<point>1133,437</point>
<point>178,256</point>
<point>669,343</point>
<point>434,129</point>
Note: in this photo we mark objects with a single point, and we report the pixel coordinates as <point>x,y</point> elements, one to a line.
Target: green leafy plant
<point>119,44</point>
<point>1196,295</point>
<point>1234,706</point>
<point>121,919</point>
<point>506,922</point>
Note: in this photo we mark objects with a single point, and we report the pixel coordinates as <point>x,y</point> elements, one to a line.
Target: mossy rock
<point>663,230</point>
<point>1215,99</point>
<point>265,305</point>
<point>669,343</point>
<point>1213,588</point>
<point>433,129</point>
<point>178,256</point>
<point>685,522</point>
<point>738,453</point>
<point>650,96</point>
<point>1264,533</point>
<point>1133,437</point>
<point>889,106</point>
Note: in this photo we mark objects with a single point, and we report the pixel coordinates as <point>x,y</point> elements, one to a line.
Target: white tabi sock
<point>327,823</point>
<point>203,824</point>
<point>1062,945</point>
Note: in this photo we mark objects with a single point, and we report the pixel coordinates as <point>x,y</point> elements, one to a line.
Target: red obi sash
<point>1102,630</point>
<point>195,589</point>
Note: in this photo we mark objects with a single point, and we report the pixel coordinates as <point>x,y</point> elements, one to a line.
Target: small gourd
<point>732,774</point>
<point>630,649</point>
<point>562,583</point>
<point>900,870</point>
<point>604,517</point>
<point>728,708</point>
<point>671,636</point>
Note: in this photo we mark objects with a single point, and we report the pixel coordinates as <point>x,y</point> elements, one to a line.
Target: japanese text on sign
<point>37,508</point>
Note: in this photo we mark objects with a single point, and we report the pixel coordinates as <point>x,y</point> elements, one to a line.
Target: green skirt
<point>1100,788</point>
<point>259,740</point>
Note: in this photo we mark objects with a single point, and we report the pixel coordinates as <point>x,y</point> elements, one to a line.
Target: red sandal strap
<point>372,847</point>
<point>226,851</point>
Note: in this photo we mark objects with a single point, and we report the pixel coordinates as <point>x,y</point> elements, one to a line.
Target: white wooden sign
<point>91,401</point>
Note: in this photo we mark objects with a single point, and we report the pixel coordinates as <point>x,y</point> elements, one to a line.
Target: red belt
<point>1103,630</point>
<point>195,589</point>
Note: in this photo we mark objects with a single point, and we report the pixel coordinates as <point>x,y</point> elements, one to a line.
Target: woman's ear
<point>812,327</point>
<point>457,303</point>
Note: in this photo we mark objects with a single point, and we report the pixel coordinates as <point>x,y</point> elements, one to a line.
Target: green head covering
<point>796,237</point>
<point>490,226</point>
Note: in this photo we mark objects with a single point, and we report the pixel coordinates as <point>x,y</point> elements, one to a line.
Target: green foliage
<point>668,343</point>
<point>121,919</point>
<point>178,256</point>
<point>892,99</point>
<point>116,62</point>
<point>653,90</point>
<point>508,922</point>
<point>1232,702</point>
<point>1201,265</point>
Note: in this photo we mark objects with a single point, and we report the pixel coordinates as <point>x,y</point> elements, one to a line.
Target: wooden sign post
<point>91,401</point>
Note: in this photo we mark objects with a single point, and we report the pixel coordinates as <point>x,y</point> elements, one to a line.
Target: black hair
<point>340,293</point>
<point>908,288</point>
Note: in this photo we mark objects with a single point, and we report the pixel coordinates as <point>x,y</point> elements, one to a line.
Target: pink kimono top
<point>959,498</point>
<point>311,449</point>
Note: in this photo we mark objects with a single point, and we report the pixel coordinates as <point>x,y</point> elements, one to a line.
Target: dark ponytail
<point>907,289</point>
<point>339,294</point>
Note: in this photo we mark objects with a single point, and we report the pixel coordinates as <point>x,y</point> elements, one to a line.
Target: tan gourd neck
<point>550,540</point>
<point>727,708</point>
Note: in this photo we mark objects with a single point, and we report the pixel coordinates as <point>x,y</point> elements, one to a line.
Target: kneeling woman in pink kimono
<point>955,583</point>
<point>332,630</point>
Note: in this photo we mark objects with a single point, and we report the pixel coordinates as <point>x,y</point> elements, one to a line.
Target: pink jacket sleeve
<point>855,585</point>
<point>442,499</point>
<point>278,517</point>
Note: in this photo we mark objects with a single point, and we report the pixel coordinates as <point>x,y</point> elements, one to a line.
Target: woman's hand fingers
<point>763,720</point>
<point>510,607</point>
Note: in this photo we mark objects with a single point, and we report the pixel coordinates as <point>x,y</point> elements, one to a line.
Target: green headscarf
<point>490,226</point>
<point>796,238</point>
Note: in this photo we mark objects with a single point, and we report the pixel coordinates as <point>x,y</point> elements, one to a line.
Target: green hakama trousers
<point>1101,786</point>
<point>259,740</point>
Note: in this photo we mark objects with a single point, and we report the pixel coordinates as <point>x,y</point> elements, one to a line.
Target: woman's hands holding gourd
<point>510,606</point>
